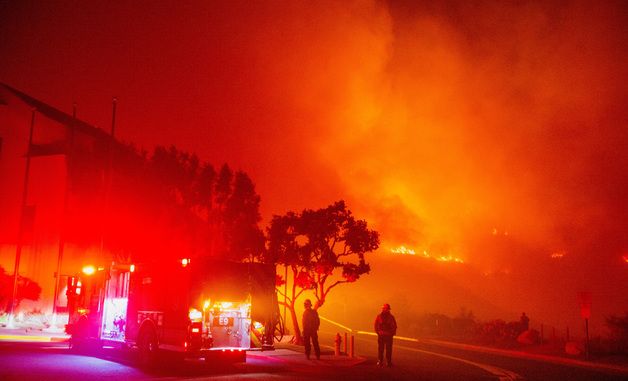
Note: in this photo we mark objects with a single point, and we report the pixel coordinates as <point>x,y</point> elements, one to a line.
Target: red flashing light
<point>185,262</point>
<point>132,268</point>
<point>195,330</point>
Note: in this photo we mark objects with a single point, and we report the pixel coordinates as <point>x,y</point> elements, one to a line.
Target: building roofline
<point>58,115</point>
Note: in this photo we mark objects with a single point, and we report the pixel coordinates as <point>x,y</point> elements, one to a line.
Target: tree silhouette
<point>241,216</point>
<point>223,204</point>
<point>323,248</point>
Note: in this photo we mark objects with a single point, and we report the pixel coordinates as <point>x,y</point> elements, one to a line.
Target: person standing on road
<point>386,328</point>
<point>311,322</point>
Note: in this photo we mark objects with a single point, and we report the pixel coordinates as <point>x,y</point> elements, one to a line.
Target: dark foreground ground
<point>412,361</point>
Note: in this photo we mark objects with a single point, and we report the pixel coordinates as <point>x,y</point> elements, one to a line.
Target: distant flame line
<point>443,258</point>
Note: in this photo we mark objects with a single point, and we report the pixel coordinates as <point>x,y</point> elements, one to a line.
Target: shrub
<point>498,332</point>
<point>618,336</point>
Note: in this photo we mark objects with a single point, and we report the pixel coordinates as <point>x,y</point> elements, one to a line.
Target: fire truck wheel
<point>74,344</point>
<point>148,347</point>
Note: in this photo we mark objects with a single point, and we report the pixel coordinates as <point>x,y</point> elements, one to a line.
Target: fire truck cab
<point>196,308</point>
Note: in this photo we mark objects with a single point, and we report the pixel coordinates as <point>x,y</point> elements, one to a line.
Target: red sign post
<point>585,312</point>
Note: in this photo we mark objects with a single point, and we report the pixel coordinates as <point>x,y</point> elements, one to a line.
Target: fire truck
<point>195,308</point>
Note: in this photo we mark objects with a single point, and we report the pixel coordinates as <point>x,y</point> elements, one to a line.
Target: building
<point>53,195</point>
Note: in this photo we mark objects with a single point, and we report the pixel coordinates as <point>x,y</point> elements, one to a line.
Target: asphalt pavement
<point>294,355</point>
<point>37,354</point>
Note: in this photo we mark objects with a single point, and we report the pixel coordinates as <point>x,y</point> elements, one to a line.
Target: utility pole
<point>64,223</point>
<point>285,295</point>
<point>113,117</point>
<point>586,346</point>
<point>108,177</point>
<point>20,234</point>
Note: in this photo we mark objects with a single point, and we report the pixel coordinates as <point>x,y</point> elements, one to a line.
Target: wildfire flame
<point>441,258</point>
<point>402,250</point>
<point>449,258</point>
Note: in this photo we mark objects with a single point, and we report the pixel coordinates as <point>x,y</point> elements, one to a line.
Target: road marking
<point>42,339</point>
<point>335,323</point>
<point>502,374</point>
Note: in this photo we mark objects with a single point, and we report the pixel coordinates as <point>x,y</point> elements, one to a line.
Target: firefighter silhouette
<point>386,329</point>
<point>311,322</point>
<point>119,322</point>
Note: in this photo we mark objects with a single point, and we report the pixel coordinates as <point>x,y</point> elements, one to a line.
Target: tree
<point>323,248</point>
<point>225,202</point>
<point>241,216</point>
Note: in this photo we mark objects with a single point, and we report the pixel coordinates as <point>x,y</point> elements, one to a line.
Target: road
<point>413,361</point>
<point>427,362</point>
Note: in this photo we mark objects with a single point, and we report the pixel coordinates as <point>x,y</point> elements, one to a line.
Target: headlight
<point>195,314</point>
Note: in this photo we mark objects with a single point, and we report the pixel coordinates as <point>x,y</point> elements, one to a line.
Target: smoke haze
<point>494,132</point>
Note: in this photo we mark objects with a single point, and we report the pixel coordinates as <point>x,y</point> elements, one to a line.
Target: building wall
<point>46,186</point>
<point>117,209</point>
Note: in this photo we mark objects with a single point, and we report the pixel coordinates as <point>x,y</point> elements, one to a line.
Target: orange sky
<point>438,123</point>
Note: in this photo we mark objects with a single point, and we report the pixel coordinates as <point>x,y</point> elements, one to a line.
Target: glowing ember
<point>557,255</point>
<point>497,232</point>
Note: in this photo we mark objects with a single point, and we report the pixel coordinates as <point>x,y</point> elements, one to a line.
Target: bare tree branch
<point>334,285</point>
